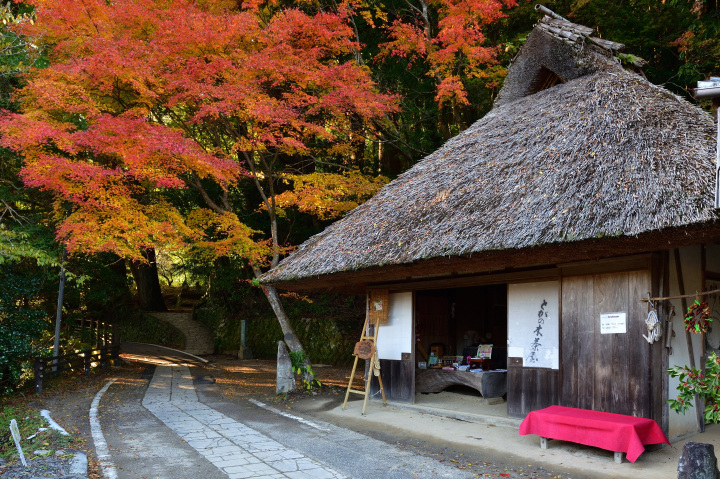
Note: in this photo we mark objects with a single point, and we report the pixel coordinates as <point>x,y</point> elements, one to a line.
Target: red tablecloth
<point>614,432</point>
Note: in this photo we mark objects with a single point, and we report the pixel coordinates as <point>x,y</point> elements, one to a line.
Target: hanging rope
<point>704,293</point>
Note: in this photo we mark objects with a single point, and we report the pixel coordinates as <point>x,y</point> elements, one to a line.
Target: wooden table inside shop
<point>491,384</point>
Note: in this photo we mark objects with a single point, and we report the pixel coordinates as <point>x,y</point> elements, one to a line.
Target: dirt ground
<point>69,401</point>
<point>69,398</point>
<point>256,378</point>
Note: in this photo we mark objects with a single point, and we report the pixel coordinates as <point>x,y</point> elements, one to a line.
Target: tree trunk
<point>148,283</point>
<point>291,339</point>
<point>289,335</point>
<point>122,296</point>
<point>58,314</point>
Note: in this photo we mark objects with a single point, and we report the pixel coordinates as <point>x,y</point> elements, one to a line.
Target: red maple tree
<point>146,96</point>
<point>448,35</point>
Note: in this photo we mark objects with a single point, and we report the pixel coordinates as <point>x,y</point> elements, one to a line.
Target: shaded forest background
<point>437,85</point>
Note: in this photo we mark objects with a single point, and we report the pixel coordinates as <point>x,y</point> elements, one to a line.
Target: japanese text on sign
<point>613,323</point>
<point>542,315</point>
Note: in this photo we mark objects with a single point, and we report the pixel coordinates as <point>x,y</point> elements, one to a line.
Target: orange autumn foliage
<point>225,236</point>
<point>329,196</point>
<point>146,96</point>
<point>448,36</point>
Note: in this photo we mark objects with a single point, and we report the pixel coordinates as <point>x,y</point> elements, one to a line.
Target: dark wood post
<point>103,358</point>
<point>87,358</point>
<point>38,368</point>
<point>699,407</point>
<point>115,348</point>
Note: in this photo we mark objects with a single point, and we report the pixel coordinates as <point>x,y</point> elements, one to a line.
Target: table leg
<point>543,443</point>
<point>619,457</point>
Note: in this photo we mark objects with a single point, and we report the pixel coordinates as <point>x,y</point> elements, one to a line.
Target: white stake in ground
<point>16,436</point>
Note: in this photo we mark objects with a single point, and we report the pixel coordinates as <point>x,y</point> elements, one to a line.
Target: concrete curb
<point>79,464</point>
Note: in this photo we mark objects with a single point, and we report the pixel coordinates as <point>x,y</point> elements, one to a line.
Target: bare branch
<point>195,183</point>
<point>12,213</point>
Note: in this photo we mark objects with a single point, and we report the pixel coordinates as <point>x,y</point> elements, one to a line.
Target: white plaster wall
<point>683,425</point>
<point>524,305</point>
<point>712,257</point>
<point>713,265</point>
<point>395,337</point>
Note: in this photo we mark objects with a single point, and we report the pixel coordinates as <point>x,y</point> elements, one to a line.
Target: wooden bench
<point>491,384</point>
<point>613,432</point>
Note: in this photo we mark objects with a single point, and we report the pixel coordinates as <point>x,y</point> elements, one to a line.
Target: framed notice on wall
<point>533,326</point>
<point>613,323</point>
<point>379,306</point>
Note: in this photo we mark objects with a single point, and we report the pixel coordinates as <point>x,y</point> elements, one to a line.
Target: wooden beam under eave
<point>498,261</point>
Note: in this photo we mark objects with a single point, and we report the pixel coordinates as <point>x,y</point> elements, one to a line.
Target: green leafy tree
<point>23,322</point>
<point>696,383</point>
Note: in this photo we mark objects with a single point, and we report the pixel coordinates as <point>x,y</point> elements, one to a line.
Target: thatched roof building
<point>577,152</point>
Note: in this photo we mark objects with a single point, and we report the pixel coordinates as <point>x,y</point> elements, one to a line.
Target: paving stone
<point>261,468</point>
<point>235,461</point>
<point>236,470</point>
<point>234,448</point>
<point>285,466</point>
<point>242,475</point>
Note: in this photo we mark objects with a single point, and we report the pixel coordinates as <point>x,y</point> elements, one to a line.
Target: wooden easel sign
<point>377,314</point>
<point>364,349</point>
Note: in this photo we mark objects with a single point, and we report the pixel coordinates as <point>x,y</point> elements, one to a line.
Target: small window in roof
<point>544,79</point>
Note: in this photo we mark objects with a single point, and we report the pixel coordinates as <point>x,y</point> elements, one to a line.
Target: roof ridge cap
<point>564,28</point>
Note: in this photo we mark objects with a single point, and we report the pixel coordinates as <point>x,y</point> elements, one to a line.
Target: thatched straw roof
<point>566,49</point>
<point>606,154</point>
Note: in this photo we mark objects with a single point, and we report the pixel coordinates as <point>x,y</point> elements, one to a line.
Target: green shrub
<point>706,386</point>
<point>328,325</point>
<point>23,325</point>
<point>328,329</point>
<point>146,329</point>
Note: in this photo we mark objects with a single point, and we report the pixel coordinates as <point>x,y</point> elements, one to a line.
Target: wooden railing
<point>46,368</point>
<point>97,332</point>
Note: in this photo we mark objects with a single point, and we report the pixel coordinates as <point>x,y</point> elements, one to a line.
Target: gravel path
<point>64,464</point>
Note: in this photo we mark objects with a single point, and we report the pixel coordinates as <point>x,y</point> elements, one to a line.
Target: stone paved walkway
<point>236,449</point>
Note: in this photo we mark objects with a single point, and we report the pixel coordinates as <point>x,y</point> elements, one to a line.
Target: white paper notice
<point>613,323</point>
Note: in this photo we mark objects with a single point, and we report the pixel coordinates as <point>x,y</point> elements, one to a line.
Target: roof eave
<point>354,282</point>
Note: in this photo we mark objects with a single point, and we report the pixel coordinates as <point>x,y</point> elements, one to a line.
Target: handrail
<point>48,367</point>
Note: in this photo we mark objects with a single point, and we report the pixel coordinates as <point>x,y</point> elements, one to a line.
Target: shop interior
<point>454,322</point>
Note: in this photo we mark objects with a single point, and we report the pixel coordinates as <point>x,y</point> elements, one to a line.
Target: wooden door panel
<point>577,342</point>
<point>605,372</point>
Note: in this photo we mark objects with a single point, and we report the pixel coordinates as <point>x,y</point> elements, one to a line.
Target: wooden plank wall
<point>530,389</point>
<point>607,372</point>
<point>659,357</point>
<point>577,337</point>
<point>397,377</point>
